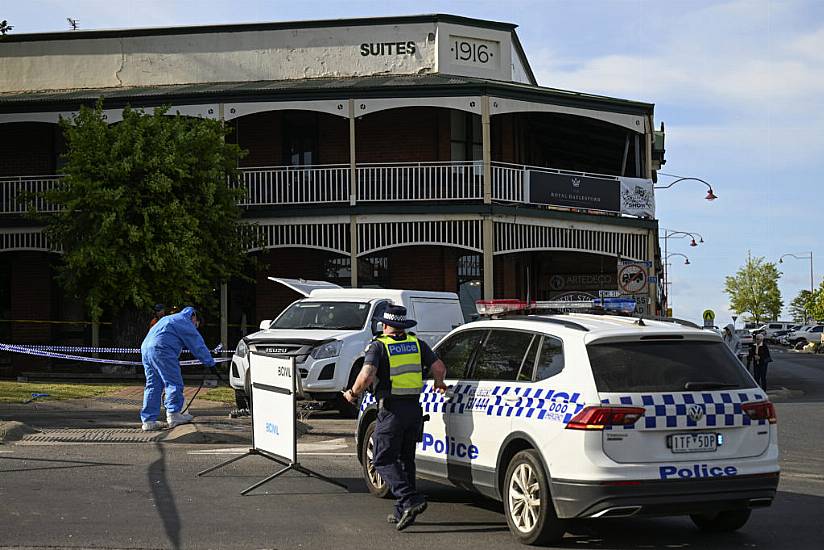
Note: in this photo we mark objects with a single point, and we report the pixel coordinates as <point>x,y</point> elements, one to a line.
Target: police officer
<point>393,368</point>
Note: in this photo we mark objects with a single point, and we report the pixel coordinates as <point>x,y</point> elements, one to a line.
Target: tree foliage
<point>754,290</point>
<point>802,305</point>
<point>146,213</point>
<point>816,303</point>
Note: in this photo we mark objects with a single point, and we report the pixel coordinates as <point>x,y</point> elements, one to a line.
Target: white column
<point>488,257</point>
<point>353,250</point>
<point>487,149</point>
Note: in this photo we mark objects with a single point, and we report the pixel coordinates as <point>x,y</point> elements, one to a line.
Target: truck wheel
<point>722,522</point>
<point>247,384</point>
<point>376,485</point>
<point>241,401</point>
<point>345,408</point>
<point>527,503</point>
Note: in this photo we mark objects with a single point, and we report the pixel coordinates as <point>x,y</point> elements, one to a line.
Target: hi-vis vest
<point>405,364</point>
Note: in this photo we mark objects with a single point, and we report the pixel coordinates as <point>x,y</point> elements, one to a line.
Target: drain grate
<point>100,435</point>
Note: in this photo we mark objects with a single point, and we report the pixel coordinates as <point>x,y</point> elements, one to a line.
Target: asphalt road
<point>147,495</point>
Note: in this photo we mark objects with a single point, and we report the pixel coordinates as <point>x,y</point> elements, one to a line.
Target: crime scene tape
<point>56,355</point>
<point>90,349</point>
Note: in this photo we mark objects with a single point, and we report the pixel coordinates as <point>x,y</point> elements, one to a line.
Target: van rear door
<point>436,317</point>
<point>693,393</point>
<point>302,286</point>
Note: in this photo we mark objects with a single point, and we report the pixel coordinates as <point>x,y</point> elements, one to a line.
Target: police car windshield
<point>323,315</point>
<point>666,366</point>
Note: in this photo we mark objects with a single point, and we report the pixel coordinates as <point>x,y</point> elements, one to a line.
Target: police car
<point>585,415</point>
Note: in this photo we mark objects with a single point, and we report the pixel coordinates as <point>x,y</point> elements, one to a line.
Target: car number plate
<point>701,442</point>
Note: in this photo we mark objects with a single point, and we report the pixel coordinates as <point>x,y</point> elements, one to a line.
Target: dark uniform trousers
<point>397,431</point>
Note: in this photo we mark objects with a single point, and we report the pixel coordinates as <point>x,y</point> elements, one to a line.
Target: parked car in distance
<point>769,329</point>
<point>805,335</point>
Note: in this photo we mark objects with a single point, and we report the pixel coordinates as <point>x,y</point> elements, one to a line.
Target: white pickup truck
<point>329,329</point>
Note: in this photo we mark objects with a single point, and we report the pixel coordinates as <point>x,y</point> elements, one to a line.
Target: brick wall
<point>28,149</point>
<point>415,134</point>
<point>292,263</point>
<point>424,268</point>
<point>261,135</point>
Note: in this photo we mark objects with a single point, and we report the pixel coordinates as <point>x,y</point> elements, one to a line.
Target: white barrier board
<point>273,405</point>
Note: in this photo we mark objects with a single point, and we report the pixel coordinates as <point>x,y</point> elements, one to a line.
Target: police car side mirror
<point>377,328</point>
<point>264,325</point>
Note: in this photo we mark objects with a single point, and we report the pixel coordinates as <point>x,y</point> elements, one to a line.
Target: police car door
<point>481,416</point>
<point>456,351</point>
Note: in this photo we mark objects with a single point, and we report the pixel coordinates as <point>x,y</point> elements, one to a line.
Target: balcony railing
<point>331,184</point>
<point>282,185</point>
<point>420,181</point>
<point>20,193</point>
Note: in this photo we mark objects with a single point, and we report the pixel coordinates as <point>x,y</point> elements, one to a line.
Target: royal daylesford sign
<point>574,191</point>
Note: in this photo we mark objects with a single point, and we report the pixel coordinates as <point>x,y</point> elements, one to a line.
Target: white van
<point>329,329</point>
<point>769,329</point>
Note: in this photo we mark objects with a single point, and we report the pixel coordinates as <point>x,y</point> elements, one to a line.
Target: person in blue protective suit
<point>161,361</point>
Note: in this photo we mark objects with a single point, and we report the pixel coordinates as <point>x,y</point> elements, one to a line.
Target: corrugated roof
<point>315,88</point>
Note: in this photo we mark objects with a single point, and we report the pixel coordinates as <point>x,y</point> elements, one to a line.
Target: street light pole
<point>812,276</point>
<point>668,234</point>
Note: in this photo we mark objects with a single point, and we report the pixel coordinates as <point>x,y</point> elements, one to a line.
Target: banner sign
<point>273,401</point>
<point>574,191</point>
<point>582,281</point>
<point>637,197</point>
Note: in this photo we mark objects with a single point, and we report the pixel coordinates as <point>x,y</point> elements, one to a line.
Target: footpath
<point>114,418</point>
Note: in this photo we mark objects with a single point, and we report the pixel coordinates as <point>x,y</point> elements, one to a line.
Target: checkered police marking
<point>665,411</point>
<point>533,403</point>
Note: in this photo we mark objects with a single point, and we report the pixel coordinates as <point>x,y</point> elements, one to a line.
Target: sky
<point>739,86</point>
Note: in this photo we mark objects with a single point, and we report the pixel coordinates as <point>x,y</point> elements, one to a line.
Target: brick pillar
<point>31,299</point>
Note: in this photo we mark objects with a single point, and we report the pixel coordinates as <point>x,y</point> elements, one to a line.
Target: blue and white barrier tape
<point>89,349</point>
<point>54,355</point>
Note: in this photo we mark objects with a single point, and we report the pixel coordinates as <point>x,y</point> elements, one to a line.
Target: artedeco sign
<point>574,191</point>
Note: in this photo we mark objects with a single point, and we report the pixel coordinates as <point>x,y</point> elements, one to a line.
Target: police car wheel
<point>527,502</point>
<point>376,485</point>
<point>722,522</point>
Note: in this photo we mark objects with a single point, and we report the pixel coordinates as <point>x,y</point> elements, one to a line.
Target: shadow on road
<point>164,498</point>
<point>64,464</point>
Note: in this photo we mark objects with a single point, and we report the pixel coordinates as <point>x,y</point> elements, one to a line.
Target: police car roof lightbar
<point>500,306</point>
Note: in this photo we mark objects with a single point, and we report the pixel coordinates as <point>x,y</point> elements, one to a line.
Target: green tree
<point>146,214</point>
<point>816,304</point>
<point>802,305</point>
<point>754,290</point>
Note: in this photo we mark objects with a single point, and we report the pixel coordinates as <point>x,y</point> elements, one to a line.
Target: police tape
<point>91,349</point>
<point>56,355</point>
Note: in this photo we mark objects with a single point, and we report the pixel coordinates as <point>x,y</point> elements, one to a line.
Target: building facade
<point>408,152</point>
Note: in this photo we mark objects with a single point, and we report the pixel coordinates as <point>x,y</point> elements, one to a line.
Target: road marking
<point>2,451</point>
<point>329,447</point>
<point>327,454</point>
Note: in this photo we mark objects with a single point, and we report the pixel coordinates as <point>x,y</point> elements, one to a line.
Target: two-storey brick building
<point>407,152</point>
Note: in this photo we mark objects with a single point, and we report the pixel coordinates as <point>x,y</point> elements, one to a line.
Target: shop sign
<point>574,191</point>
<point>582,281</point>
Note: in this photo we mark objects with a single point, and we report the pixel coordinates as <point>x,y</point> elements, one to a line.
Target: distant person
<point>161,361</point>
<point>158,312</point>
<point>762,358</point>
<point>731,339</point>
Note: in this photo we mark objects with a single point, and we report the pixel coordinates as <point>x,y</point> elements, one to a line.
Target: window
<point>456,351</point>
<point>466,137</point>
<point>323,315</point>
<point>551,359</point>
<point>502,355</point>
<point>817,329</point>
<point>666,366</point>
<point>300,138</point>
